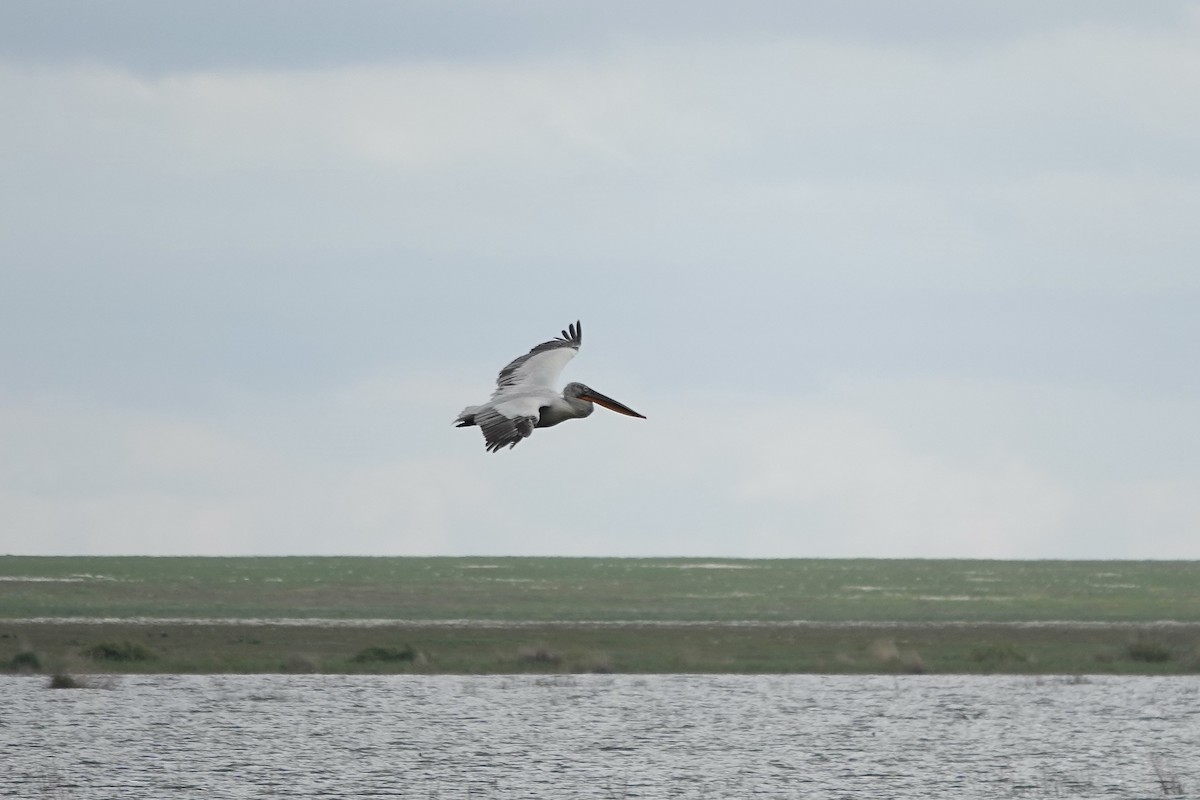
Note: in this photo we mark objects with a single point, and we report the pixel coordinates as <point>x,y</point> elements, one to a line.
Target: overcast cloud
<point>887,279</point>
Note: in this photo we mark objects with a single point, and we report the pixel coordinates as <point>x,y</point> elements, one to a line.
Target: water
<point>673,736</point>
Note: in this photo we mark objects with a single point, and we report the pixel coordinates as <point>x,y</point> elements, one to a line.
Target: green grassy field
<point>660,615</point>
<point>542,589</point>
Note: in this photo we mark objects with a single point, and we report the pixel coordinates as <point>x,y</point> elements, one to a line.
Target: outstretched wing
<point>507,422</point>
<point>541,366</point>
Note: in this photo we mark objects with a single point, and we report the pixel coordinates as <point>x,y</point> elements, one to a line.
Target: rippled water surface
<point>683,736</point>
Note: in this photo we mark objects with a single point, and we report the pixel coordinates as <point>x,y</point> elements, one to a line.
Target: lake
<point>601,736</point>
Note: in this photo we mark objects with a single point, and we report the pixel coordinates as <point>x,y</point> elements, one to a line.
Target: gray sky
<point>887,279</point>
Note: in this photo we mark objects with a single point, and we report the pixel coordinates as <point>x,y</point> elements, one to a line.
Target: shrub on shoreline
<point>370,655</point>
<point>65,680</point>
<point>993,653</point>
<point>539,654</point>
<point>24,661</point>
<point>1148,651</point>
<point>118,651</point>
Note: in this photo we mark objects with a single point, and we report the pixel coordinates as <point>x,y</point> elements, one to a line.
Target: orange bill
<point>610,404</point>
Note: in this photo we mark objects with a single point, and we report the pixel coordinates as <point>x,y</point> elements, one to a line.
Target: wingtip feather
<point>573,334</point>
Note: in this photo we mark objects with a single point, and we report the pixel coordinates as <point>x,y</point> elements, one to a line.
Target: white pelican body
<point>525,397</point>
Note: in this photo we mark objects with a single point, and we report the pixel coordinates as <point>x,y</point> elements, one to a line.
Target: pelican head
<point>579,391</point>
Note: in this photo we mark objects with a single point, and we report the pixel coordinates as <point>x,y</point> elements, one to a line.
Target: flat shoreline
<point>459,647</point>
<point>507,615</point>
<point>379,622</point>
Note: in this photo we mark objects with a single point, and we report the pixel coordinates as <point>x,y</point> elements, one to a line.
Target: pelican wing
<point>510,420</point>
<point>541,366</point>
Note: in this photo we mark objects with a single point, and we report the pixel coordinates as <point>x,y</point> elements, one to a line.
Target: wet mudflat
<point>601,736</point>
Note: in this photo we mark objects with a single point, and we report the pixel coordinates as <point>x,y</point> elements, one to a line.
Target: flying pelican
<point>525,398</point>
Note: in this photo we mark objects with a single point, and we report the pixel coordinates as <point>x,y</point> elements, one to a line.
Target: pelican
<point>525,397</point>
